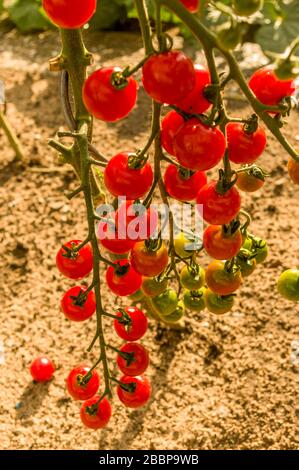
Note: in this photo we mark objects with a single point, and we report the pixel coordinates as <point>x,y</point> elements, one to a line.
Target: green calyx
<point>185,173</point>
<point>137,160</point>
<point>119,80</point>
<point>251,125</point>
<point>80,299</point>
<point>255,171</point>
<point>223,185</point>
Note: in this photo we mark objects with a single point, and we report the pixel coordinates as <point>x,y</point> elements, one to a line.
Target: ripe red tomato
<point>268,88</point>
<point>70,14</point>
<point>95,414</point>
<point>134,222</point>
<point>104,100</point>
<point>191,5</point>
<point>221,245</point>
<point>293,169</point>
<point>135,329</point>
<point>218,209</point>
<point>123,279</point>
<point>121,180</point>
<point>138,361</point>
<point>195,102</point>
<point>42,369</point>
<point>148,262</point>
<point>169,127</point>
<point>168,77</point>
<point>75,265</point>
<point>221,280</point>
<point>110,239</point>
<point>81,384</point>
<point>76,306</point>
<point>181,184</point>
<point>135,398</point>
<point>197,146</point>
<point>248,182</point>
<point>243,147</point>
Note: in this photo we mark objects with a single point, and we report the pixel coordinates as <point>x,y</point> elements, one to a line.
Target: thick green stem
<point>144,26</point>
<point>76,66</point>
<point>82,140</point>
<point>12,138</point>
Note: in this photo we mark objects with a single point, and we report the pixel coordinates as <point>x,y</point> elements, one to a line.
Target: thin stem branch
<point>11,136</point>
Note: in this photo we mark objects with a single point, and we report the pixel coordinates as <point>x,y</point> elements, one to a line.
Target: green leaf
<point>277,36</point>
<point>1,6</point>
<point>108,13</point>
<point>28,15</point>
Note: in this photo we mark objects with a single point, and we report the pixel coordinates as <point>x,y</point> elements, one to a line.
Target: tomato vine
<point>149,258</point>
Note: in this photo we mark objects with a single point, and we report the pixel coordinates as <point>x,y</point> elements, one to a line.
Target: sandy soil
<point>222,383</point>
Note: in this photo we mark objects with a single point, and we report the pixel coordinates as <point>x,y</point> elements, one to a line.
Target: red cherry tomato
<point>168,77</point>
<point>76,306</point>
<point>106,102</point>
<point>148,262</point>
<point>183,185</point>
<point>81,384</point>
<point>243,147</point>
<point>110,239</point>
<point>136,363</point>
<point>197,146</point>
<point>218,209</point>
<point>191,5</point>
<point>135,222</point>
<point>75,265</point>
<point>220,280</point>
<point>42,369</point>
<point>70,14</point>
<point>135,329</point>
<point>293,170</point>
<point>268,88</point>
<point>121,180</point>
<point>220,245</point>
<point>171,123</point>
<point>140,394</point>
<point>95,414</point>
<point>123,279</point>
<point>195,102</point>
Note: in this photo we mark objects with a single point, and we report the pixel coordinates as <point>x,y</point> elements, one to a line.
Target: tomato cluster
<point>140,264</point>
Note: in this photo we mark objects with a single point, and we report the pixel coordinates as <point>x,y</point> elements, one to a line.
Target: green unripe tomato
<point>182,246</point>
<point>195,300</point>
<point>165,303</point>
<point>176,315</point>
<point>152,286</point>
<point>288,284</point>
<point>136,296</point>
<point>218,304</point>
<point>247,7</point>
<point>258,246</point>
<point>229,37</point>
<point>192,279</point>
<point>246,265</point>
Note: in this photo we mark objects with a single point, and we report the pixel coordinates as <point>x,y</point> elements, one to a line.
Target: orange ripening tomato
<point>223,281</point>
<point>249,183</point>
<point>220,245</point>
<point>293,169</point>
<point>148,262</point>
